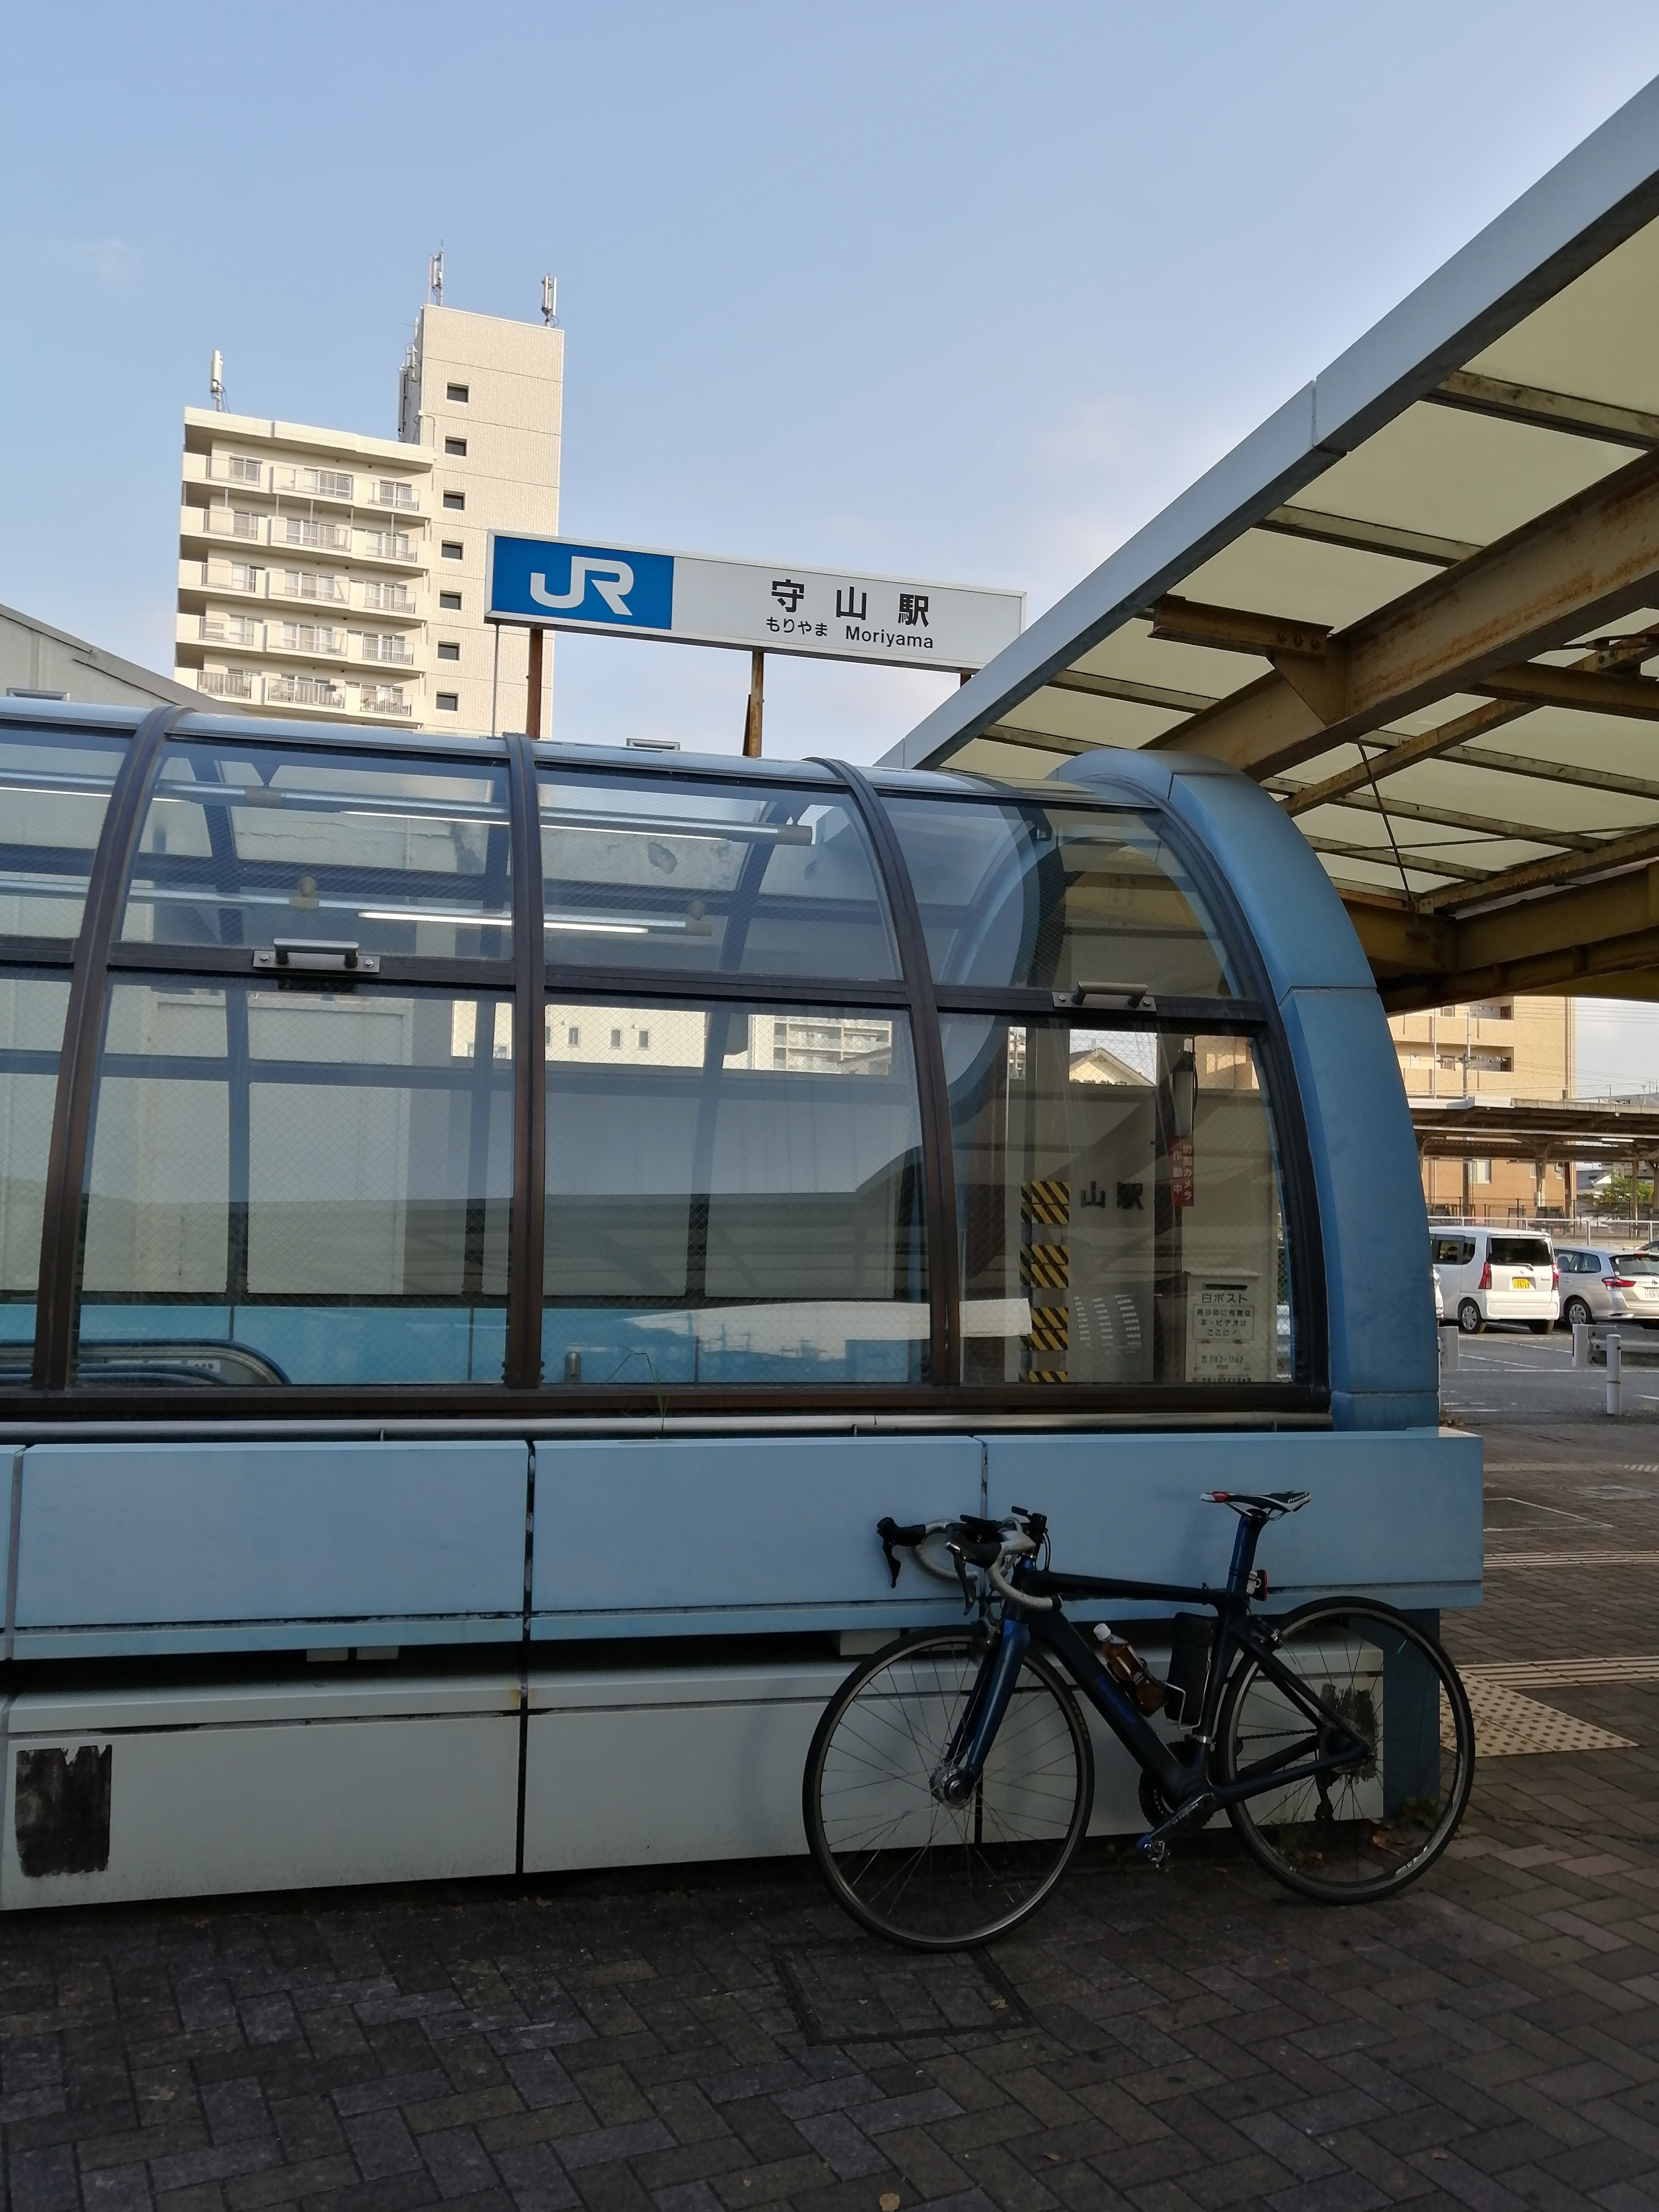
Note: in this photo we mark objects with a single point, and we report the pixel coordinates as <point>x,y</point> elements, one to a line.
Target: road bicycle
<point>951,1780</point>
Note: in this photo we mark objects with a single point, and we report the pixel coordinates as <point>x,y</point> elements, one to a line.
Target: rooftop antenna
<point>217,379</point>
<point>434,277</point>
<point>550,300</point>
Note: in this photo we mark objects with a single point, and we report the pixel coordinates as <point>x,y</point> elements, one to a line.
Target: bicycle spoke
<point>931,1870</point>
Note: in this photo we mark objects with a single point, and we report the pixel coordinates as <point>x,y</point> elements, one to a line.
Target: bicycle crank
<point>1154,1847</point>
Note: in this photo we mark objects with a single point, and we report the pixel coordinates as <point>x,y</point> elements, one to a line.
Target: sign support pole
<point>532,714</point>
<point>751,721</point>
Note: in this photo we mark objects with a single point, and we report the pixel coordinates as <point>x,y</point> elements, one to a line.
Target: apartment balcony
<point>397,545</point>
<point>403,497</point>
<point>312,591</point>
<point>220,522</point>
<point>236,578</point>
<point>238,684</point>
<point>303,692</point>
<point>388,599</point>
<point>305,483</point>
<point>307,533</point>
<point>244,631</point>
<point>386,699</point>
<point>403,657</point>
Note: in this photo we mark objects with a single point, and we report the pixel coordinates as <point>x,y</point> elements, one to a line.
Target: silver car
<point>1601,1284</point>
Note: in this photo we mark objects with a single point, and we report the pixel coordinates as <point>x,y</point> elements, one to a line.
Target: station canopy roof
<point>1420,604</point>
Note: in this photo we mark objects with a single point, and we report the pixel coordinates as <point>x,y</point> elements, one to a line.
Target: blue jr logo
<point>541,578</point>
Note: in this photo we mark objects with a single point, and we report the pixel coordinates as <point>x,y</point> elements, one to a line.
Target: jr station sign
<point>557,583</point>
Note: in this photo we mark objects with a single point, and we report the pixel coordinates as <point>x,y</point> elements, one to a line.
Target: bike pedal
<point>1155,1851</point>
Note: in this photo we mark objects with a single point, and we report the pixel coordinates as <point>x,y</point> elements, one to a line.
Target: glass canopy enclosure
<point>334,1065</point>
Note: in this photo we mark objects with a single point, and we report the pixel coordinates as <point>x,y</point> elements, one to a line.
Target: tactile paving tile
<point>1508,1726</point>
<point>1545,1673</point>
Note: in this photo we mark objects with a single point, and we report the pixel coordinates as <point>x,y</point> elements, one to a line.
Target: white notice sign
<point>1224,1338</point>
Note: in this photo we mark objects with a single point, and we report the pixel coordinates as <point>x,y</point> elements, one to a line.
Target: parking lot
<point>695,2039</point>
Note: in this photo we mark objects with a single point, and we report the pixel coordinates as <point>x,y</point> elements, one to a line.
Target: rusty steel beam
<point>1010,734</point>
<point>1591,559</point>
<point>1359,536</point>
<point>1402,753</point>
<point>1570,772</point>
<point>1234,629</point>
<point>1590,938</point>
<point>1638,845</point>
<point>1448,740</point>
<point>1466,878</point>
<point>1545,410</point>
<point>1636,696</point>
<point>1483,825</point>
<point>1125,688</point>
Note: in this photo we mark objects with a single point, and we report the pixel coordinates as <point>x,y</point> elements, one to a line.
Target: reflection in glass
<point>1120,1187</point>
<point>320,1182</point>
<point>32,1009</point>
<point>1051,895</point>
<point>733,1195</point>
<point>53,792</point>
<point>763,879</point>
<point>249,844</point>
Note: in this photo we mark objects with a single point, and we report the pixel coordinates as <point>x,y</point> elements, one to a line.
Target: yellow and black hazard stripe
<point>1048,1266</point>
<point>1051,1329</point>
<point>1049,1201</point>
<point>1047,1375</point>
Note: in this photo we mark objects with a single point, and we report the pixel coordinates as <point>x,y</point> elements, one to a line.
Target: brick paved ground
<point>723,2038</point>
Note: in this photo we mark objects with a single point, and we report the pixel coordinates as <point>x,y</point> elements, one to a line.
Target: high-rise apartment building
<point>1495,1051</point>
<point>331,576</point>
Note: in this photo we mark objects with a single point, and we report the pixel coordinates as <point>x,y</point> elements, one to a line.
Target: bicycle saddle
<point>1266,1506</point>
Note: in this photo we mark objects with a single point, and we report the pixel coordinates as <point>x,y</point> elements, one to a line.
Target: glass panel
<point>32,1009</point>
<point>1048,896</point>
<point>54,791</point>
<point>733,1195</point>
<point>289,1186</point>
<point>245,845</point>
<point>1120,1206</point>
<point>710,877</point>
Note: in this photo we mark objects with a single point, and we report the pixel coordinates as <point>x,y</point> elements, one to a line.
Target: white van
<point>1495,1274</point>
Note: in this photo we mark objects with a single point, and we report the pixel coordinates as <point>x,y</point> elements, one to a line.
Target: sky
<point>962,292</point>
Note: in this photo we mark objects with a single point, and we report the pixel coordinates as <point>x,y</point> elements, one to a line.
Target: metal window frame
<point>97,958</point>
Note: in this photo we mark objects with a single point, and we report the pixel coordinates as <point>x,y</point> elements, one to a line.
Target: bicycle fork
<point>957,1776</point>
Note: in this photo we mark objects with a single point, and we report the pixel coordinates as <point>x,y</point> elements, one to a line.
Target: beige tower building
<point>1497,1050</point>
<point>331,576</point>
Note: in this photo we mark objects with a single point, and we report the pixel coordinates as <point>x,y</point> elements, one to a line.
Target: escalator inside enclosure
<point>349,1071</point>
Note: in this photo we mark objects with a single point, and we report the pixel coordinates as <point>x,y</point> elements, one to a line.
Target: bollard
<point>1581,1333</point>
<point>1448,1350</point>
<point>1615,1374</point>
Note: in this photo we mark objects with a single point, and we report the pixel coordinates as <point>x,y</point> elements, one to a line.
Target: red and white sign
<point>1181,1170</point>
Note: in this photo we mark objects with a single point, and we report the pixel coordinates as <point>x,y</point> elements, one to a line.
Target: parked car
<point>1496,1274</point>
<point>1439,1296</point>
<point>1599,1283</point>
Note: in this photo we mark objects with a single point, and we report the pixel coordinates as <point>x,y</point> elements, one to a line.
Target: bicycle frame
<point>1190,1786</point>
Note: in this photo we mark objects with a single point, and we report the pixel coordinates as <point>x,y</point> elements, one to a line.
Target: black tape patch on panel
<point>62,1815</point>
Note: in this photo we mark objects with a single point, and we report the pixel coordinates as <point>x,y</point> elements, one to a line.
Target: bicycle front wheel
<point>1366,1825</point>
<point>910,1865</point>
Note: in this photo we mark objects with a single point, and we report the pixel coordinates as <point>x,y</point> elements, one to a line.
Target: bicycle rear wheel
<point>906,1863</point>
<point>1364,1829</point>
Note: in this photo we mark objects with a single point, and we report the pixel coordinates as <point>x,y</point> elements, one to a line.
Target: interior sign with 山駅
<point>554,583</point>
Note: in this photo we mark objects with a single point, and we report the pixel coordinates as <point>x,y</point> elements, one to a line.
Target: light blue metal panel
<point>1398,1515</point>
<point>1384,1357</point>
<point>686,1535</point>
<point>149,1534</point>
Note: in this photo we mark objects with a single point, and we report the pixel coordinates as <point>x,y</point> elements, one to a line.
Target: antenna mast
<point>550,300</point>
<point>217,379</point>
<point>434,277</point>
